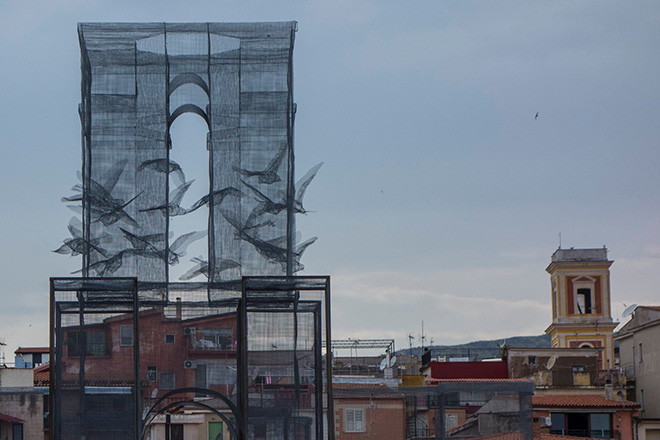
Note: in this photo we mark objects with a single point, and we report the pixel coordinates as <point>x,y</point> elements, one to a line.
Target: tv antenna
<point>422,337</point>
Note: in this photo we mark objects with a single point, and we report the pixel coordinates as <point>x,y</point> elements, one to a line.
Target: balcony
<point>593,433</point>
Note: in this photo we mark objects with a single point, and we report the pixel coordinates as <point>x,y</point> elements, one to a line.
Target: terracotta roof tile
<point>517,435</point>
<point>432,381</point>
<point>579,401</point>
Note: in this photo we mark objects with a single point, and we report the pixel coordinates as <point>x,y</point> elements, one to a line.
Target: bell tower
<point>581,314</point>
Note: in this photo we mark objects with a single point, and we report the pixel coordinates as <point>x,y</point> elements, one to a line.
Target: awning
<point>10,419</point>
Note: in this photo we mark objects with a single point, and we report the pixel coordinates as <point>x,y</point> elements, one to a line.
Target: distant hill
<point>479,350</point>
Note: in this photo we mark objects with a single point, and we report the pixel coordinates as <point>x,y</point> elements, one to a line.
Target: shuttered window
<point>354,420</point>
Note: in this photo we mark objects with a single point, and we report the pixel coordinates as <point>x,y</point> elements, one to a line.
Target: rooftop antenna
<point>411,338</point>
<point>422,337</point>
<point>559,240</point>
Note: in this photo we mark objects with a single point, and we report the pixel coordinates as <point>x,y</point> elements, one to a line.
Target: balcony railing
<point>593,433</point>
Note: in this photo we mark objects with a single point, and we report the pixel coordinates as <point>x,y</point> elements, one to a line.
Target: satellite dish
<point>154,393</point>
<point>145,412</point>
<point>383,364</point>
<point>629,310</point>
<point>551,362</point>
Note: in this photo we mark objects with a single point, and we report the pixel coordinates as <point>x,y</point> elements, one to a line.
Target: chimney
<point>609,390</point>
<point>178,308</point>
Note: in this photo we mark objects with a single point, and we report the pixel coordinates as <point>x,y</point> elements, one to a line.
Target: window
<point>176,431</point>
<point>36,359</point>
<point>451,421</point>
<point>354,420</point>
<point>126,335</point>
<point>558,425</point>
<point>641,355</point>
<point>531,360</point>
<point>169,339</point>
<point>152,374</point>
<point>18,431</point>
<point>167,381</point>
<point>600,426</point>
<point>216,338</point>
<point>95,343</point>
<point>580,375</point>
<point>584,301</point>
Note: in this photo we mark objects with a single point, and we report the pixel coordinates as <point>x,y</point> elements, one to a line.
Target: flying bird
<point>536,116</point>
<point>267,249</point>
<point>215,198</point>
<point>202,268</point>
<point>107,266</point>
<point>101,203</point>
<point>77,245</point>
<point>115,213</point>
<point>175,251</point>
<point>173,208</point>
<point>301,187</point>
<point>269,174</point>
<point>164,166</point>
<point>266,205</point>
<point>143,242</point>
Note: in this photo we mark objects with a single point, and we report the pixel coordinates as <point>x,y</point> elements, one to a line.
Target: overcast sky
<point>441,198</point>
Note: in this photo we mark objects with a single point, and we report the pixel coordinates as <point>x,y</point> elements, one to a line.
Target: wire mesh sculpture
<point>137,79</point>
<point>131,347</point>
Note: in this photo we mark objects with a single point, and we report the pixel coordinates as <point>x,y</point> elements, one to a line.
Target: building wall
<point>645,367</point>
<point>466,370</point>
<point>621,420</point>
<point>533,364</point>
<point>648,430</point>
<point>167,358</point>
<point>25,405</point>
<point>16,377</point>
<point>624,424</point>
<point>384,418</point>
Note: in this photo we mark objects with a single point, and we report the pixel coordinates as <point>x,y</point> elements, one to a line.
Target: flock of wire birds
<point>113,212</point>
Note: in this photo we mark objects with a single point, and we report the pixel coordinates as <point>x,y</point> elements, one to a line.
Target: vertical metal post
<point>318,371</point>
<point>168,426</point>
<point>136,358</point>
<point>440,416</point>
<point>82,344</point>
<point>167,157</point>
<point>328,365</point>
<point>290,182</point>
<point>53,363</point>
<point>210,236</point>
<point>242,373</point>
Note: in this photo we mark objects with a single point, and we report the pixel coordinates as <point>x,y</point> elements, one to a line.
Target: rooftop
<point>599,254</point>
<point>517,435</point>
<point>32,350</point>
<point>580,401</point>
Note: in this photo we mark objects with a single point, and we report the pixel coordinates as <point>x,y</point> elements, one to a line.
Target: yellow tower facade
<point>581,313</point>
